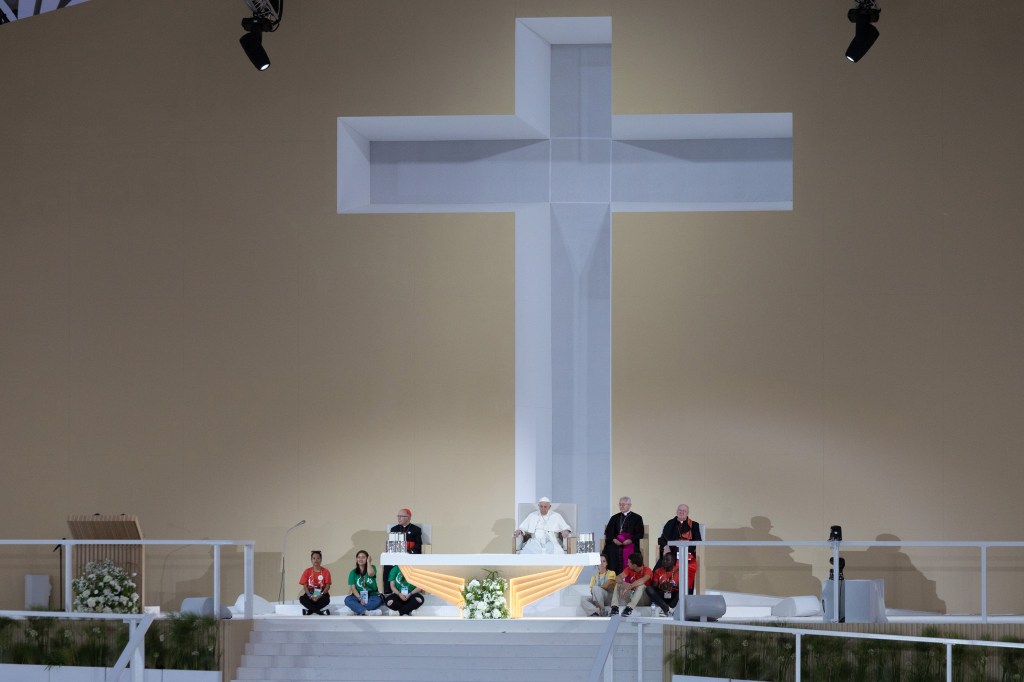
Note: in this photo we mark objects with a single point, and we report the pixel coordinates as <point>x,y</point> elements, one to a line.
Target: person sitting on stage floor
<point>405,597</point>
<point>362,585</point>
<point>682,527</point>
<point>544,527</point>
<point>602,585</point>
<point>316,584</point>
<point>664,588</point>
<point>413,539</point>
<point>631,584</point>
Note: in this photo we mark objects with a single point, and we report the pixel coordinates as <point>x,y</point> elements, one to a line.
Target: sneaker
<point>615,610</point>
<point>595,615</point>
<point>664,614</point>
<point>627,611</point>
<point>322,613</point>
<point>305,612</point>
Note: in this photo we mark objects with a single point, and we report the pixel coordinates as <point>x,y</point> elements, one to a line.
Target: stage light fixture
<point>835,534</point>
<point>252,43</point>
<point>266,17</point>
<point>864,14</point>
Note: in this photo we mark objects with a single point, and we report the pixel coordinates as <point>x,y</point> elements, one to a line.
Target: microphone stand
<point>284,546</point>
<point>61,548</point>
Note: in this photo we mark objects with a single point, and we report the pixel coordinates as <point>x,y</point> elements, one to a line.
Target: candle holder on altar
<point>396,543</point>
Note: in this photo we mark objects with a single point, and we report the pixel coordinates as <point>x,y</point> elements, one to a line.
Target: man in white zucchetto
<point>543,528</point>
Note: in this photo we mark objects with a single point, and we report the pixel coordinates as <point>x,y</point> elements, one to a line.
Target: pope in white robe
<point>544,526</point>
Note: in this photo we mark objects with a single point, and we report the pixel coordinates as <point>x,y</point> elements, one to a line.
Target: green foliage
<point>895,661</point>
<point>185,641</point>
<point>767,656</point>
<point>179,642</point>
<point>55,642</point>
<point>1011,662</point>
<point>770,657</point>
<point>825,659</point>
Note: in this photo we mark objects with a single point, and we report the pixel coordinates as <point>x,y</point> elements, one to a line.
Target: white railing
<point>797,633</point>
<point>134,651</point>
<point>248,562</point>
<point>138,624</point>
<point>837,545</point>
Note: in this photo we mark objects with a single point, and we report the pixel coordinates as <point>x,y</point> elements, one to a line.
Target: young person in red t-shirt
<point>631,584</point>
<point>664,588</point>
<point>316,583</point>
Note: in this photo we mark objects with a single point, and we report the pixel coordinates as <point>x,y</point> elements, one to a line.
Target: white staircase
<point>426,648</point>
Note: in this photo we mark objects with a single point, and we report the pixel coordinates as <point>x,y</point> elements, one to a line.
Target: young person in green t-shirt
<point>405,597</point>
<point>363,595</point>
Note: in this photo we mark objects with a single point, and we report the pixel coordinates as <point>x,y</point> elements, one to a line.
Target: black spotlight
<point>864,15</point>
<point>252,43</point>
<point>835,534</point>
<point>266,17</point>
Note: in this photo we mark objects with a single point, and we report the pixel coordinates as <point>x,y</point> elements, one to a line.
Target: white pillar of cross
<point>563,163</point>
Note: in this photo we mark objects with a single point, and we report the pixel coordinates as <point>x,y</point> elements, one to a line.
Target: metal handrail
<point>248,563</point>
<point>134,651</point>
<point>837,545</point>
<point>798,633</point>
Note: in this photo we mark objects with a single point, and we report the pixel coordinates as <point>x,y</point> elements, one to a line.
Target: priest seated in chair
<point>544,530</point>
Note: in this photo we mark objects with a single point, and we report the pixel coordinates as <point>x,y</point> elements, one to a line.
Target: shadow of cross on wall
<point>564,165</point>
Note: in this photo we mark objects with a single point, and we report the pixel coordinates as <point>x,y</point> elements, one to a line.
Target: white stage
<point>564,605</point>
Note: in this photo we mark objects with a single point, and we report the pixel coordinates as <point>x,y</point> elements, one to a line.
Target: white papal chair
<point>566,509</point>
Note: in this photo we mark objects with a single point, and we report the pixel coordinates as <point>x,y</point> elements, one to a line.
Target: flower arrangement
<point>105,588</point>
<point>485,598</point>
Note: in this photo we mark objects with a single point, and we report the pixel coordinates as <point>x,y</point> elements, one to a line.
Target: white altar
<point>530,576</point>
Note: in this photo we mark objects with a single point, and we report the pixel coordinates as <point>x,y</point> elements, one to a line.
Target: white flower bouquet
<point>485,598</point>
<point>105,588</point>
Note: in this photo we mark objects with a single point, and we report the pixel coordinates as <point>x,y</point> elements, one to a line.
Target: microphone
<point>284,546</point>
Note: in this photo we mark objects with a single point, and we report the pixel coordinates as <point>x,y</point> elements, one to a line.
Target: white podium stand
<point>37,592</point>
<point>860,601</point>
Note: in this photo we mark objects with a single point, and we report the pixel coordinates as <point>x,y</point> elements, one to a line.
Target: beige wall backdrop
<point>190,332</point>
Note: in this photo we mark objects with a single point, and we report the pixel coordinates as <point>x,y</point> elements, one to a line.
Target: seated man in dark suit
<point>413,539</point>
<point>681,527</point>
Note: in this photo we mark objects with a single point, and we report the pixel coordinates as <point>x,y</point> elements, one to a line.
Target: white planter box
<point>40,673</point>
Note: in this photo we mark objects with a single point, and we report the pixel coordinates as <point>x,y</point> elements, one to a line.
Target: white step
<point>443,649</point>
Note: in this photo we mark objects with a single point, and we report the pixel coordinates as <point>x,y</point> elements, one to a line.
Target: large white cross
<point>564,164</point>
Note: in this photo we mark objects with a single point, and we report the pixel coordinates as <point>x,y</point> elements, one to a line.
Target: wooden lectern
<point>131,558</point>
